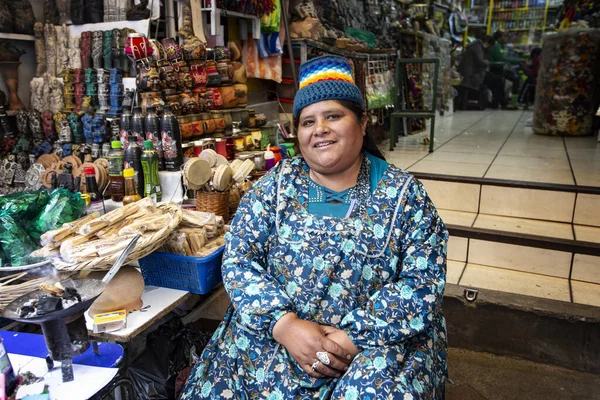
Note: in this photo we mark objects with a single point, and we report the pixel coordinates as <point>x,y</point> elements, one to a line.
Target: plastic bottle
<point>96,202</point>
<point>152,122</point>
<point>171,140</point>
<point>137,126</point>
<point>6,369</point>
<point>125,129</point>
<point>133,159</point>
<point>150,167</point>
<point>115,171</point>
<point>131,194</point>
<point>269,160</point>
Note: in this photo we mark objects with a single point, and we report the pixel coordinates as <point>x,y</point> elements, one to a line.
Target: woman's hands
<point>341,338</point>
<point>303,339</point>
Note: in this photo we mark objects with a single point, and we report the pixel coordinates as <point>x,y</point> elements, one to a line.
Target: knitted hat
<point>326,78</point>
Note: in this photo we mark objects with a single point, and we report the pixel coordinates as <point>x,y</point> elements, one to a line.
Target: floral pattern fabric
<point>379,276</point>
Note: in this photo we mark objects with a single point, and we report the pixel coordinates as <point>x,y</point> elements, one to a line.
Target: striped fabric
<point>325,69</point>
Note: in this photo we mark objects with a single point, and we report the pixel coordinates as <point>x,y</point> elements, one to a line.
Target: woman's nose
<point>321,126</point>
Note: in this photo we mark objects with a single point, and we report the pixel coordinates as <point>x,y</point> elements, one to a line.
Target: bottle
<point>125,129</point>
<point>131,194</point>
<point>133,159</point>
<point>153,133</point>
<point>115,171</point>
<point>150,167</point>
<point>96,202</point>
<point>6,368</point>
<point>171,140</point>
<point>269,159</point>
<point>137,126</point>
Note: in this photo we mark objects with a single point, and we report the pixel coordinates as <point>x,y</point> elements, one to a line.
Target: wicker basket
<point>148,243</point>
<point>214,202</point>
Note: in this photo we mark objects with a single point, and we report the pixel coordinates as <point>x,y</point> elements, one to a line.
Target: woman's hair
<point>490,40</point>
<point>369,144</point>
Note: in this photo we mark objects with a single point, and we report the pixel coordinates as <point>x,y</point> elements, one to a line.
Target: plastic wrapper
<point>16,244</point>
<point>24,205</point>
<point>63,207</point>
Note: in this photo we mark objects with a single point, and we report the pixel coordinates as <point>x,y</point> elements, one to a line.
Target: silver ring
<point>323,356</point>
<point>315,365</point>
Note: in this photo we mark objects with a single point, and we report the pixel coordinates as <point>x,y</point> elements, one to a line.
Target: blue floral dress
<point>379,276</point>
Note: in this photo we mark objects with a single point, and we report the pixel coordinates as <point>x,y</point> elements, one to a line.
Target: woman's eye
<point>307,122</point>
<point>333,116</point>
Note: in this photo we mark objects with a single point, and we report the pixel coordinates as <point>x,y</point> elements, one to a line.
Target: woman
<point>335,265</point>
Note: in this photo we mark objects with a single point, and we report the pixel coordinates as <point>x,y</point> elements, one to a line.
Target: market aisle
<point>499,145</point>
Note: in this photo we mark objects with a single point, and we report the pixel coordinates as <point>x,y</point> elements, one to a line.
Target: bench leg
<point>393,133</point>
<point>431,134</point>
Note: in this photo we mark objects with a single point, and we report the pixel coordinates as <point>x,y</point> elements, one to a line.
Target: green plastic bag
<point>367,37</point>
<point>16,244</point>
<point>63,207</point>
<point>24,205</point>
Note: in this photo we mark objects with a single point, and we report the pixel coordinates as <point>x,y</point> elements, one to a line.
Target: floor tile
<point>451,217</point>
<point>460,157</point>
<point>586,268</point>
<point>530,175</point>
<point>527,203</point>
<point>454,270</point>
<point>459,148</point>
<point>587,210</point>
<point>482,277</point>
<point>532,162</point>
<point>453,196</point>
<point>449,168</point>
<point>518,150</point>
<point>586,293</point>
<point>520,258</point>
<point>587,233</point>
<point>586,178</point>
<point>457,248</point>
<point>526,226</point>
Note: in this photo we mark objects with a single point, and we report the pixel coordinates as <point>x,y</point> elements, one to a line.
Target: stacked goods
<point>95,241</point>
<point>198,234</point>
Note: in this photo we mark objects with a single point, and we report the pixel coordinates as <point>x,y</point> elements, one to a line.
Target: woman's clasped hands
<point>319,350</point>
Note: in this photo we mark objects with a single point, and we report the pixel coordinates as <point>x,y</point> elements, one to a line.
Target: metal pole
<point>284,4</point>
<point>170,18</point>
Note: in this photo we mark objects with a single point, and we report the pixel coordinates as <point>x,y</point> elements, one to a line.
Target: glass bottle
<point>115,171</point>
<point>96,202</point>
<point>150,167</point>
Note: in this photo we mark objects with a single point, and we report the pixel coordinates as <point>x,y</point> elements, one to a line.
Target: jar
<point>213,77</point>
<point>228,119</point>
<point>188,150</point>
<point>184,127</point>
<point>259,160</point>
<point>221,146</point>
<point>256,138</point>
<point>276,152</point>
<point>251,118</point>
<point>208,143</point>
<point>215,98</point>
<point>244,117</point>
<point>241,94</point>
<point>239,143</point>
<point>196,127</point>
<point>248,141</point>
<point>217,116</point>
<point>225,72</point>
<point>208,124</point>
<point>228,96</point>
<point>291,152</point>
<point>197,148</point>
<point>188,103</point>
<point>230,147</point>
<point>199,75</point>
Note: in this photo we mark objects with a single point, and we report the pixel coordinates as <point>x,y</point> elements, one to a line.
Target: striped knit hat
<point>326,78</point>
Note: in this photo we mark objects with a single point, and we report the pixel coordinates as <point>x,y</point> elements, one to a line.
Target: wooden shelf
<point>17,36</point>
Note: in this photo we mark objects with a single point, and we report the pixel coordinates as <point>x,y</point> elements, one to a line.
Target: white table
<point>157,303</point>
<point>88,380</point>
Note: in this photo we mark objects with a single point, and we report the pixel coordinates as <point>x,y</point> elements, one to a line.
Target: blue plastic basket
<point>193,274</point>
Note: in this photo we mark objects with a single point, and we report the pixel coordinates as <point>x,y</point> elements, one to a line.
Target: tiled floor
<point>497,144</point>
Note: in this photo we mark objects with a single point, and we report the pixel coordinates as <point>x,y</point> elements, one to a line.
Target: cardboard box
<point>110,321</point>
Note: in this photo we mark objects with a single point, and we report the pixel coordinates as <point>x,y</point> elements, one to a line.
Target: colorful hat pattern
<point>326,78</point>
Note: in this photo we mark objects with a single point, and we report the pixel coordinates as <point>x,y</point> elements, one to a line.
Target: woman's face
<point>330,136</point>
